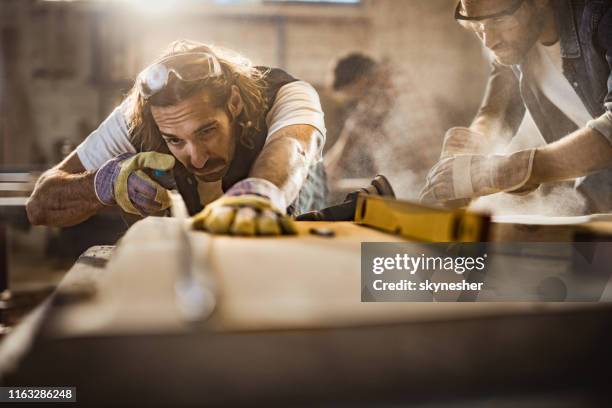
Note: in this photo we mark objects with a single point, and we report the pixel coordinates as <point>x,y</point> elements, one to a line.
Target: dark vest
<point>314,190</point>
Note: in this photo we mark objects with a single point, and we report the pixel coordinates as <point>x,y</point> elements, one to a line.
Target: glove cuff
<point>104,179</point>
<point>525,156</point>
<point>262,188</point>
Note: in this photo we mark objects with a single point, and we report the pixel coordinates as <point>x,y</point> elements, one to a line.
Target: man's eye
<point>207,131</point>
<point>174,141</point>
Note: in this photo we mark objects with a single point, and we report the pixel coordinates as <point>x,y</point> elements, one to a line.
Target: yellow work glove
<point>246,215</point>
<point>122,181</point>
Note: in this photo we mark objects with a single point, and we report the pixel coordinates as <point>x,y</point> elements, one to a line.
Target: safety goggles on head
<point>189,66</point>
<point>501,21</point>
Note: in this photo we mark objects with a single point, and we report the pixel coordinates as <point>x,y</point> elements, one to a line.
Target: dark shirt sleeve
<point>603,124</point>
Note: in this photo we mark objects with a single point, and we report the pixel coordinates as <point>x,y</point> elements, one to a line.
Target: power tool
<point>345,211</point>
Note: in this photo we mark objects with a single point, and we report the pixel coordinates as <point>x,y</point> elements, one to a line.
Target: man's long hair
<point>237,70</point>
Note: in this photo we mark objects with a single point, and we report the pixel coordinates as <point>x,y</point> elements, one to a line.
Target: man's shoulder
<point>274,75</point>
<point>598,16</point>
<point>275,78</point>
<point>604,28</point>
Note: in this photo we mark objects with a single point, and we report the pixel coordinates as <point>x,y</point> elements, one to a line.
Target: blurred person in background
<point>553,59</point>
<point>365,93</point>
<point>388,128</point>
<point>243,141</point>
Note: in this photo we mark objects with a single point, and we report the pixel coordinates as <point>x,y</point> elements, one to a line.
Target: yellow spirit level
<point>422,223</point>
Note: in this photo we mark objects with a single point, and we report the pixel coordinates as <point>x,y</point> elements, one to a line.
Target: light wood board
<point>280,283</point>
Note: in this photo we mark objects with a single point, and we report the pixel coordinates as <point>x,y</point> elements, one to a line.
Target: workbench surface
<point>291,282</point>
<point>289,326</point>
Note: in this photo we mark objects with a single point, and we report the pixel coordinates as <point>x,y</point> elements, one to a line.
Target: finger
<point>159,193</point>
<point>244,222</point>
<point>219,220</point>
<point>435,193</point>
<point>139,183</point>
<point>443,174</point>
<point>442,167</point>
<point>287,224</point>
<point>441,179</point>
<point>198,220</point>
<point>145,204</point>
<point>267,223</point>
<point>426,196</point>
<point>437,168</point>
<point>424,192</point>
<point>428,176</point>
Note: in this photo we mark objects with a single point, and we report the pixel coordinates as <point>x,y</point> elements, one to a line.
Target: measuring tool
<point>418,222</point>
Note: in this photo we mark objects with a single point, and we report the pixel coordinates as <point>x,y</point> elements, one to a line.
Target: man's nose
<point>197,156</point>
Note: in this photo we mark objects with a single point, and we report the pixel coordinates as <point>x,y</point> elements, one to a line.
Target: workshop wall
<point>71,61</point>
<point>446,61</point>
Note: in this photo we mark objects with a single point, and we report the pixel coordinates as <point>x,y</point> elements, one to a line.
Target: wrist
<point>104,180</point>
<point>102,188</point>
<point>522,180</point>
<point>545,168</point>
<point>95,203</point>
<point>259,187</point>
<point>536,170</point>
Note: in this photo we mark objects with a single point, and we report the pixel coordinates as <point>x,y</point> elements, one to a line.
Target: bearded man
<point>243,141</point>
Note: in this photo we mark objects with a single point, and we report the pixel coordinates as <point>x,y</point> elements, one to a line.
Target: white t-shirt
<point>547,70</point>
<point>296,103</point>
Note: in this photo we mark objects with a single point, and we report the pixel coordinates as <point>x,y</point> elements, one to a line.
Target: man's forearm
<point>62,199</point>
<point>578,154</point>
<point>285,160</point>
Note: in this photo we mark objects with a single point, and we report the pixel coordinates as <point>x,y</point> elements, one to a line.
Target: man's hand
<point>251,207</point>
<point>243,215</point>
<point>122,181</point>
<point>466,176</point>
<point>461,140</point>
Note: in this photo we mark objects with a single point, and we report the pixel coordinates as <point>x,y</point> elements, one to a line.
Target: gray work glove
<point>472,175</point>
<point>461,140</point>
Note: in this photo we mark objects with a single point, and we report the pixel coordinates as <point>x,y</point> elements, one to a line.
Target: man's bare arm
<point>64,195</point>
<point>285,160</point>
<point>580,153</point>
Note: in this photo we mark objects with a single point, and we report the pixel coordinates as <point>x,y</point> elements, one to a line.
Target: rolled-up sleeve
<point>603,124</point>
<point>109,140</point>
<point>296,103</point>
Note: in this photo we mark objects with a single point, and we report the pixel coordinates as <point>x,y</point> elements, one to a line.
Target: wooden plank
<point>293,282</point>
<point>534,228</point>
